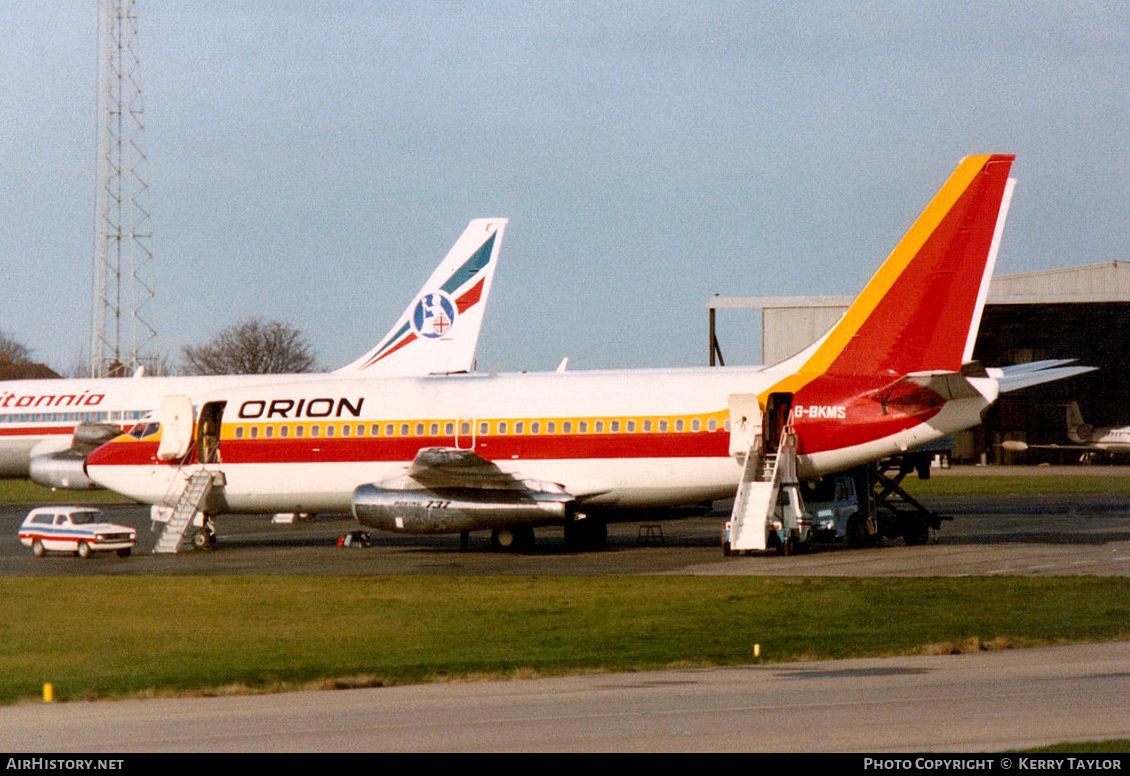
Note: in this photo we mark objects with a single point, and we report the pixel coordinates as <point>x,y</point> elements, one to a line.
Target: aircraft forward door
<point>176,428</point>
<point>208,432</point>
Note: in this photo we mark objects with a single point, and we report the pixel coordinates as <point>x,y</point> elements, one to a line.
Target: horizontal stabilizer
<point>1033,366</point>
<point>1016,381</point>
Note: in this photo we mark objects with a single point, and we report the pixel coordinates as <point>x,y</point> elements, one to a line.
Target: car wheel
<point>37,549</point>
<point>83,550</point>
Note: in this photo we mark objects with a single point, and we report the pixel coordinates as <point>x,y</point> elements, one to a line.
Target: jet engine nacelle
<point>61,471</point>
<point>89,436</point>
<point>1082,434</point>
<point>454,510</point>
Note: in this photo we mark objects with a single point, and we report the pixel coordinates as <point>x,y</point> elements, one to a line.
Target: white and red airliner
<point>47,427</point>
<point>507,453</point>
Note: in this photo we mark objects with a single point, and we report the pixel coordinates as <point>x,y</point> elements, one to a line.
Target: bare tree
<point>12,352</point>
<point>252,346</point>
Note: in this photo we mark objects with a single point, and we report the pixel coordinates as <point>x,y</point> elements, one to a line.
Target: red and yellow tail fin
<point>919,312</point>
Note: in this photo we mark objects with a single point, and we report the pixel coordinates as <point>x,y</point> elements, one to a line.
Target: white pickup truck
<point>81,530</point>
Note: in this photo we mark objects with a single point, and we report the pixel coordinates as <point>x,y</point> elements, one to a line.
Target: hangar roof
<point>1107,282</point>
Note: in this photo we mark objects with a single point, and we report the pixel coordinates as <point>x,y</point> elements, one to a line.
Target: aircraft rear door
<point>777,409</point>
<point>745,422</point>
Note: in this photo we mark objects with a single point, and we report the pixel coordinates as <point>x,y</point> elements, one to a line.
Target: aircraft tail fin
<point>1078,431</point>
<point>921,310</point>
<point>439,331</point>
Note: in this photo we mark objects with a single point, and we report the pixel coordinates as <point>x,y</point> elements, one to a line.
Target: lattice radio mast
<point>124,320</point>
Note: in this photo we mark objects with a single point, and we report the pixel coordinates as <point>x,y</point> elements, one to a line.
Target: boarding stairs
<point>761,505</point>
<point>191,500</point>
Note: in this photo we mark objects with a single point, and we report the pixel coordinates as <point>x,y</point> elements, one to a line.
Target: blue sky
<point>312,161</point>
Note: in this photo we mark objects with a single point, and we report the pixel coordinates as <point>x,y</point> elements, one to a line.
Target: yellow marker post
<point>757,650</point>
<point>48,692</point>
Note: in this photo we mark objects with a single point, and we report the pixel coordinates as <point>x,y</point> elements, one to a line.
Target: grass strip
<point>1015,485</point>
<point>119,637</point>
<point>27,492</point>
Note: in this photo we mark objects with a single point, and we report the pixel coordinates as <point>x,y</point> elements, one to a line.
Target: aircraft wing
<point>447,467</point>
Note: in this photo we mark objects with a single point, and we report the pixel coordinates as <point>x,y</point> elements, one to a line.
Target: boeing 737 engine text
<point>507,453</point>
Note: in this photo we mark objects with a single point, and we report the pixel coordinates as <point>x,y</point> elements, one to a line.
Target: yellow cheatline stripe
<point>241,429</point>
<point>900,258</point>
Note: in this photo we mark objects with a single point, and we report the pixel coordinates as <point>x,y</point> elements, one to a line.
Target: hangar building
<point>1076,312</point>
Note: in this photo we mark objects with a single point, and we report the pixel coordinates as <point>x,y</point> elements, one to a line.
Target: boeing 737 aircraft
<point>508,453</point>
<point>47,427</point>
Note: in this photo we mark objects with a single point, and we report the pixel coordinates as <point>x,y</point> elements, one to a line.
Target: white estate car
<point>81,530</point>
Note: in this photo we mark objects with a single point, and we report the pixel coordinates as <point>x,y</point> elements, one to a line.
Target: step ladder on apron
<point>192,498</point>
<point>768,511</point>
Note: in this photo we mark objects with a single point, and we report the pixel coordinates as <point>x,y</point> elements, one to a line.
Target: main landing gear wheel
<point>517,539</point>
<point>202,540</point>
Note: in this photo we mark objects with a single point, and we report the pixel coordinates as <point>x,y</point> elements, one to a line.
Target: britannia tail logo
<point>434,315</point>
